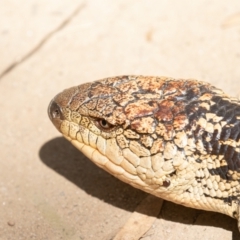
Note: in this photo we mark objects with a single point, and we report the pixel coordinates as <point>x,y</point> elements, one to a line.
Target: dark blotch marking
<point>193,94</point>
<point>166,183</point>
<point>172,174</point>
<point>198,160</point>
<point>234,132</point>
<point>228,200</point>
<point>235,215</point>
<point>198,132</point>
<point>227,110</point>
<point>221,171</point>
<point>225,133</point>
<point>215,136</point>
<point>151,103</point>
<point>229,155</point>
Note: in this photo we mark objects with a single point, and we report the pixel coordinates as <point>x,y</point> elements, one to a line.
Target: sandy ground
<point>48,190</point>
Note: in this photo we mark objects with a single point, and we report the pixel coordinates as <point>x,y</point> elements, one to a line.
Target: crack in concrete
<point>42,42</point>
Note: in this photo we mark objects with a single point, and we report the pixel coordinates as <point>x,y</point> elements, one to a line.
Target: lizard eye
<point>104,125</point>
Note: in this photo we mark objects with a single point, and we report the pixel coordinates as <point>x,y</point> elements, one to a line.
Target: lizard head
<point>131,126</point>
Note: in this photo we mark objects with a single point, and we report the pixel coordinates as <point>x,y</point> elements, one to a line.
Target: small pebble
<point>11,223</point>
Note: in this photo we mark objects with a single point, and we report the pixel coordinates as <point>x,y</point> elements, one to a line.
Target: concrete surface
<point>48,190</point>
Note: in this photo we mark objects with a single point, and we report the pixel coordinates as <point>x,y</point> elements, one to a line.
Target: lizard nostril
<point>54,111</point>
<point>55,114</point>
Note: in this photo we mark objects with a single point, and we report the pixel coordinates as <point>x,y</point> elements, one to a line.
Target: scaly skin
<point>176,139</point>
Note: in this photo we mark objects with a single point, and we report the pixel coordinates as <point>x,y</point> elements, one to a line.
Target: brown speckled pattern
<point>176,139</point>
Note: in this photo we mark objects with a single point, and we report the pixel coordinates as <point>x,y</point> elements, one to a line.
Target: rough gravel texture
<point>49,190</point>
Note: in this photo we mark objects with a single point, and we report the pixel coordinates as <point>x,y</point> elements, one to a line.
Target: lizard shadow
<point>59,155</point>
